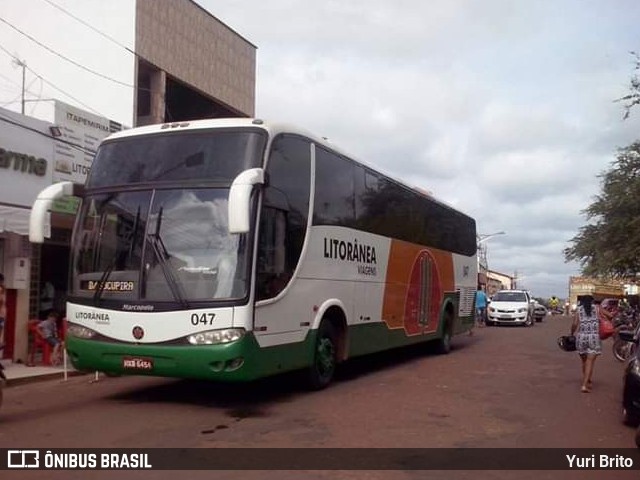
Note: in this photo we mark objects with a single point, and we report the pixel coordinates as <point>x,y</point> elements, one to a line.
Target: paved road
<point>501,387</point>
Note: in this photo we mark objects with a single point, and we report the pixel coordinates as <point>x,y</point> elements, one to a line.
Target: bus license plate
<point>137,363</point>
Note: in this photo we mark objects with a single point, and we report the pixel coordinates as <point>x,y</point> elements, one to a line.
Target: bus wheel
<point>325,357</point>
<point>444,343</point>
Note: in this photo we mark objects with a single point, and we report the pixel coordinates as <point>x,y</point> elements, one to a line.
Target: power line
<point>20,94</point>
<point>37,100</point>
<point>9,80</point>
<point>88,25</point>
<point>52,85</point>
<point>108,37</point>
<point>26,127</point>
<point>73,62</point>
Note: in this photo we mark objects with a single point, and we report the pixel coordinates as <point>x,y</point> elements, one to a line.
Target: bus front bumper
<point>242,360</point>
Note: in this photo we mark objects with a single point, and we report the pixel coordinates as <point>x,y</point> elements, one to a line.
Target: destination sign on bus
<point>111,286</point>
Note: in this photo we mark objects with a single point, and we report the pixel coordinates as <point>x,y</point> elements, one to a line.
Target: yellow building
<point>597,287</point>
<point>498,281</point>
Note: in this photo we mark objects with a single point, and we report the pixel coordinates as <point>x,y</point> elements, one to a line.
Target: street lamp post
<point>483,266</point>
<point>484,238</point>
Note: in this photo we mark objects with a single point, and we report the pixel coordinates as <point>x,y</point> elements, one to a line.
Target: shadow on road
<point>246,400</point>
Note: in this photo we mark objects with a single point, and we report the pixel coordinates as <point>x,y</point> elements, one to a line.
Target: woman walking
<point>588,345</point>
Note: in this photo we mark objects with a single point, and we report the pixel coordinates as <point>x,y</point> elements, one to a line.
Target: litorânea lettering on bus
<point>354,251</point>
<point>102,318</point>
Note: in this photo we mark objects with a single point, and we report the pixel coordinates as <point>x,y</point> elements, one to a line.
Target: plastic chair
<point>37,342</point>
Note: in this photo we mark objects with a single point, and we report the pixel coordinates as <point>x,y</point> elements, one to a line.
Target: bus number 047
<point>202,318</point>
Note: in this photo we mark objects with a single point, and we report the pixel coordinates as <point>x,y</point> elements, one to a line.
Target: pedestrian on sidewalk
<point>481,307</point>
<point>588,344</point>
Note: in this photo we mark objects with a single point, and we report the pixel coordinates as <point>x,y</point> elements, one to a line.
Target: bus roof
<point>273,129</point>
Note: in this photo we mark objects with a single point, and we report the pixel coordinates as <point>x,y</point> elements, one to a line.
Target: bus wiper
<point>162,255</point>
<point>127,250</point>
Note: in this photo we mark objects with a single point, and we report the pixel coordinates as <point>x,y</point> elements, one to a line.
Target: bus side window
<point>272,272</point>
<point>335,190</point>
<point>284,216</point>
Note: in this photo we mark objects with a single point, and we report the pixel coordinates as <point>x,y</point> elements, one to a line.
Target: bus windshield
<point>178,156</point>
<point>169,245</point>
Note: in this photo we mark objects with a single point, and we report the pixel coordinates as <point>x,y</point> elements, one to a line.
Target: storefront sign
<point>22,162</point>
<point>26,153</point>
<point>82,132</point>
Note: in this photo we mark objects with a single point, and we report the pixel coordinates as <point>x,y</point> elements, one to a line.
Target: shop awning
<point>16,220</point>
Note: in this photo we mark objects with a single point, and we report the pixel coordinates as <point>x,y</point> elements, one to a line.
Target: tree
<point>633,97</point>
<point>610,245</point>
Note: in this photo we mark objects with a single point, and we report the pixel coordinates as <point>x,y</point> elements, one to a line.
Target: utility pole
<point>24,68</point>
<point>23,64</point>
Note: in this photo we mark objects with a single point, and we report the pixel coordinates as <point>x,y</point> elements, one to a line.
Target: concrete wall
<point>189,44</point>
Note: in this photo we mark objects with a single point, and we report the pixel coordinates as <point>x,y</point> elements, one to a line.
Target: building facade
<point>33,155</point>
<point>189,65</point>
<point>26,161</point>
<point>596,287</point>
<point>498,281</point>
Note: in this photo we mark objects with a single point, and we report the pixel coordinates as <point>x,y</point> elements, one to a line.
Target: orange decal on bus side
<point>403,289</point>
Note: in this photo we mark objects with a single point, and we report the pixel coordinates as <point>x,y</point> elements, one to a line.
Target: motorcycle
<point>625,343</point>
<point>631,385</point>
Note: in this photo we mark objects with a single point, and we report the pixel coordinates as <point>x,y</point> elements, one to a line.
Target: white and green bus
<point>233,249</point>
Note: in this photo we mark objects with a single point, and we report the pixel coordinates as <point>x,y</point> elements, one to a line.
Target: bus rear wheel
<point>444,343</point>
<point>325,357</point>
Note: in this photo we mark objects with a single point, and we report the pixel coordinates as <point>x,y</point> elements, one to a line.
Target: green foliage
<point>633,97</point>
<point>610,244</point>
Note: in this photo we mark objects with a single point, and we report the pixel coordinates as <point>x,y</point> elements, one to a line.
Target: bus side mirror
<point>42,204</point>
<point>239,196</point>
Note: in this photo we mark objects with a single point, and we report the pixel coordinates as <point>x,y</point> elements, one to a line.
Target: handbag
<point>605,328</point>
<point>567,343</point>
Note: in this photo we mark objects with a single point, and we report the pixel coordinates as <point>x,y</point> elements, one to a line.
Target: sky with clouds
<point>504,109</point>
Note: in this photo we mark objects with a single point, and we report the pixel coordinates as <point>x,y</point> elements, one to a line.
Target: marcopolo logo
<point>23,459</point>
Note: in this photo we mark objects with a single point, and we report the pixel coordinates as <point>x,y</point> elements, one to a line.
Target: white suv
<point>510,307</point>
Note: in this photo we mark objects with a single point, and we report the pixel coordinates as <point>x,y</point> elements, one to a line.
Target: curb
<point>14,382</point>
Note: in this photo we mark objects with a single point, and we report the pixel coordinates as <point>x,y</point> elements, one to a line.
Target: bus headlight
<point>214,337</point>
<point>80,331</point>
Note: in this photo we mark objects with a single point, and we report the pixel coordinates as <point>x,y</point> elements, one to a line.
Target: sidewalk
<point>19,373</point>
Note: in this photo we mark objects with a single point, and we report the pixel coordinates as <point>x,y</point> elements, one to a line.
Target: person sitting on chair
<point>48,328</point>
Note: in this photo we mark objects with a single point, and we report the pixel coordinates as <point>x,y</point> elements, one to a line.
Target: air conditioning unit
<point>16,274</point>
